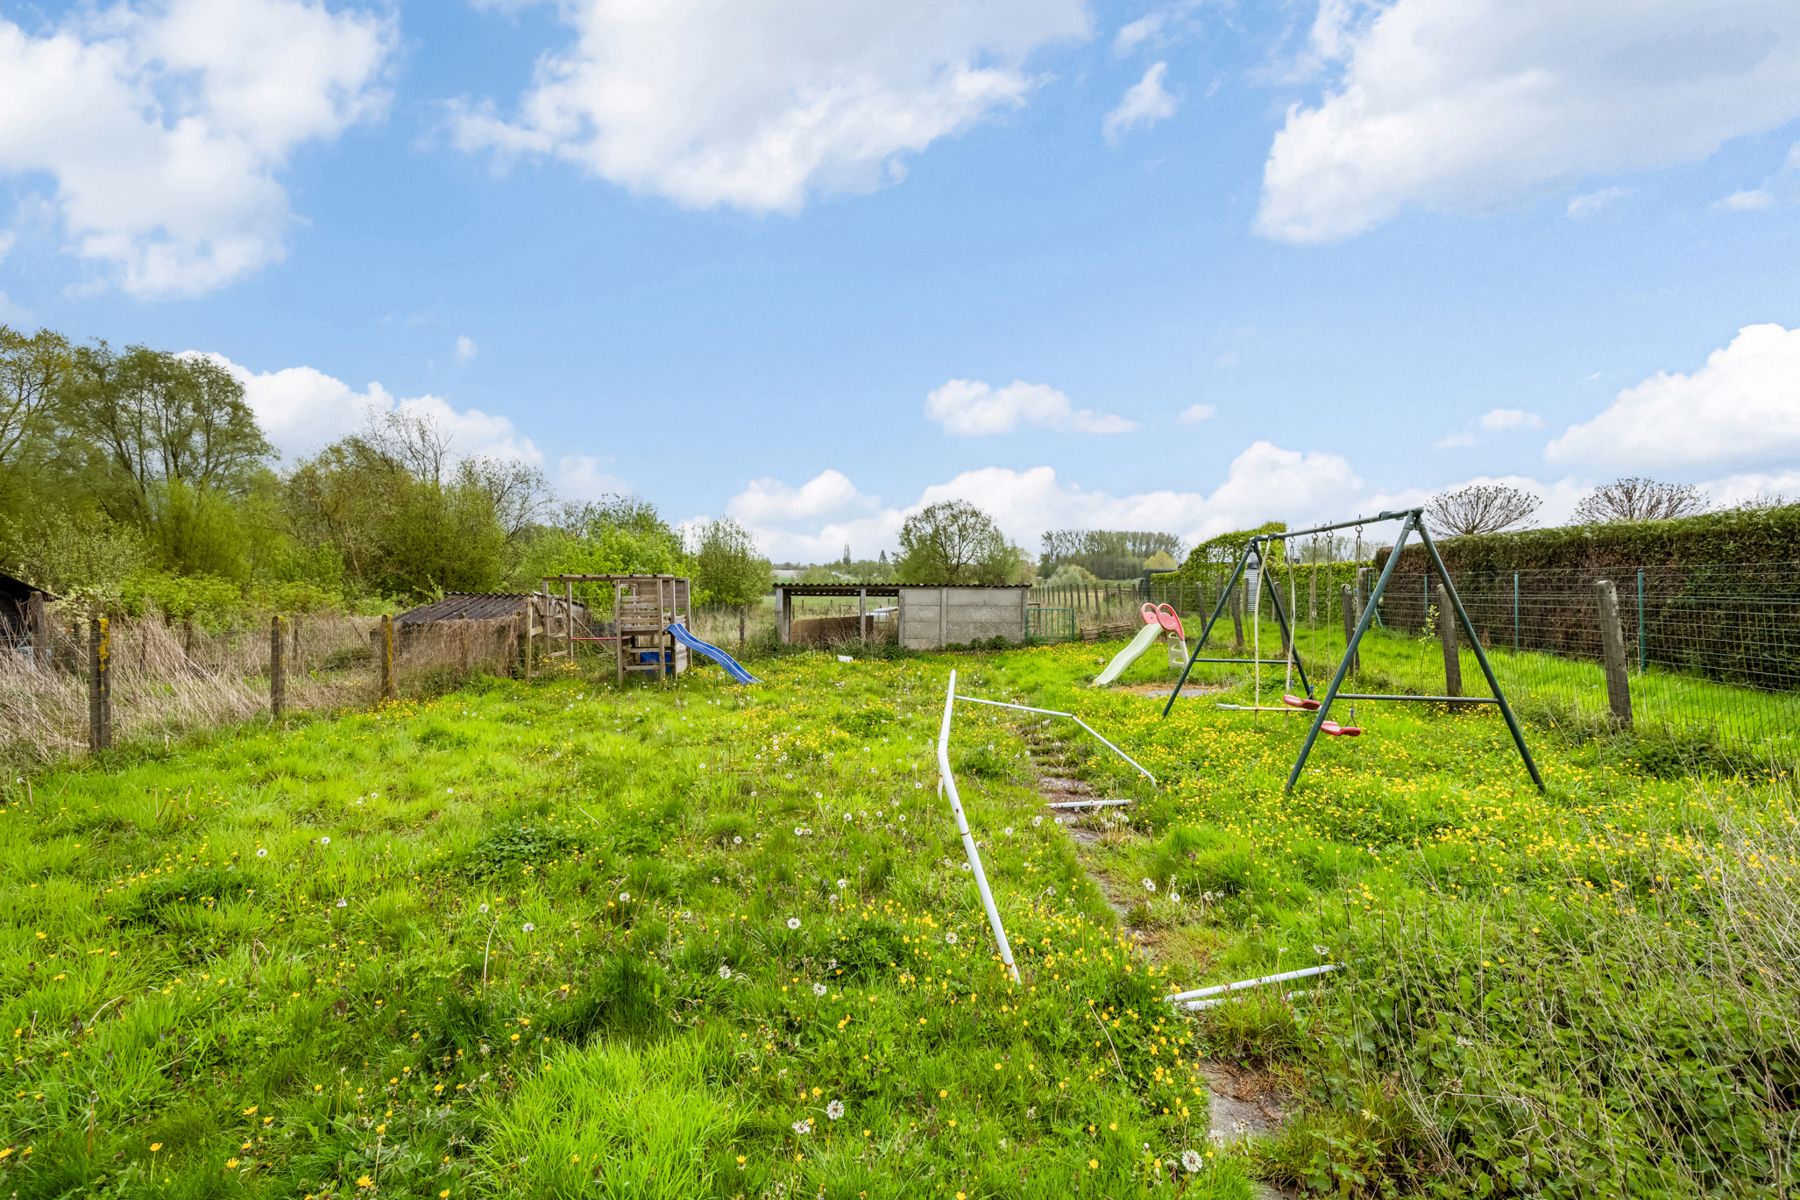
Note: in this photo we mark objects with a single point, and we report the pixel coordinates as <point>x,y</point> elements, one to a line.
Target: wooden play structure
<point>642,609</point>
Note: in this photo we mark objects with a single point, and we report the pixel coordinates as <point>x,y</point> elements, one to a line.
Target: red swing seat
<point>1305,702</point>
<point>1333,729</point>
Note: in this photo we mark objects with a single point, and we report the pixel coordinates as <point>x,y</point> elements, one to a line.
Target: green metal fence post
<point>1643,644</point>
<point>1515,610</point>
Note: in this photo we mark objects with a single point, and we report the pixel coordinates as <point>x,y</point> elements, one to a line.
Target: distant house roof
<point>470,606</point>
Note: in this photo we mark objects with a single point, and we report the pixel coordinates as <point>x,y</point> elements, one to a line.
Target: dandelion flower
<point>483,908</point>
<point>1321,951</point>
<point>325,841</point>
<point>738,840</point>
<point>793,922</point>
<point>343,903</point>
<point>803,1127</point>
<point>262,852</point>
<point>724,971</point>
<point>835,1109</point>
<point>155,1146</point>
<point>528,927</point>
<point>1190,1161</point>
<point>819,989</point>
<point>950,939</point>
<point>624,897</point>
<point>843,885</point>
<point>1149,885</point>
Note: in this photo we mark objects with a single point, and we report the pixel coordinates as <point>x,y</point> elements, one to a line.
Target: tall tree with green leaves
<point>954,542</point>
<point>728,570</point>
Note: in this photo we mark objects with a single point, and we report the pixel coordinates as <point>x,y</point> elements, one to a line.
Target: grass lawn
<point>558,940</point>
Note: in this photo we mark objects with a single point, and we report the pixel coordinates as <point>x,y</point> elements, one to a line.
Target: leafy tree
<point>953,542</point>
<point>1162,560</point>
<point>1481,508</point>
<point>1225,549</point>
<point>1635,498</point>
<point>147,418</point>
<point>31,377</point>
<point>727,569</point>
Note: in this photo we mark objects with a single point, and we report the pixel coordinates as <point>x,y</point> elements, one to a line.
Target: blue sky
<point>1179,265</point>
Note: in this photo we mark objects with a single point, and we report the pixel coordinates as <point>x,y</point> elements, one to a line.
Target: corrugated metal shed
<point>471,606</point>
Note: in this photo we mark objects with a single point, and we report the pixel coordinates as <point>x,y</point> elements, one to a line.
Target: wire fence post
<point>1446,621</point>
<point>1643,642</point>
<point>100,731</point>
<point>277,668</point>
<point>389,690</point>
<point>1515,610</point>
<point>42,647</point>
<point>1612,648</point>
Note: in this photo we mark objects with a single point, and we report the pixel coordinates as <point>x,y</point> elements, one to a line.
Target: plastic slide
<point>1146,637</point>
<point>732,666</point>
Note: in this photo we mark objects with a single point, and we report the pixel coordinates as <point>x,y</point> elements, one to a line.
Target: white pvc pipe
<point>1221,989</point>
<point>1051,712</point>
<point>948,782</point>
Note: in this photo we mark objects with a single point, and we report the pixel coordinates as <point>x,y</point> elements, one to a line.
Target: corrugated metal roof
<point>470,606</point>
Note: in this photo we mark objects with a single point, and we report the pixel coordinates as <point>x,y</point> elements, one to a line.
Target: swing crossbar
<point>1418,699</point>
<point>1394,515</point>
<point>1245,662</point>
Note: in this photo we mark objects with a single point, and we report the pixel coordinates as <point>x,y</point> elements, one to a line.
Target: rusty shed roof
<point>470,606</point>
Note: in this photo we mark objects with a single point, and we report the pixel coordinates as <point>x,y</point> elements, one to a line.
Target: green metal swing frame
<point>1412,520</point>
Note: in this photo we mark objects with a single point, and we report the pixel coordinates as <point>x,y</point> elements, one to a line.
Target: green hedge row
<point>1756,538</point>
<point>1719,595</point>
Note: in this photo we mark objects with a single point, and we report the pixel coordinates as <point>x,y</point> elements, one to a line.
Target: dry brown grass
<point>169,680</point>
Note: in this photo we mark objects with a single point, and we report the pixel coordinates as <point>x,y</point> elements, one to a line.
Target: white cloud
<point>757,106</point>
<point>585,477</point>
<point>1503,419</point>
<point>1589,203</point>
<point>465,349</point>
<point>6,244</point>
<point>1783,185</point>
<point>1135,33</point>
<point>302,409</point>
<point>162,128</point>
<point>827,495</point>
<point>1454,104</point>
<point>971,408</point>
<point>1145,103</point>
<point>1264,482</point>
<point>1748,200</point>
<point>1494,420</point>
<point>1741,408</point>
<point>1194,414</point>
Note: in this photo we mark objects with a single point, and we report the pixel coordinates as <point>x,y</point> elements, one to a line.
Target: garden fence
<point>1711,654</point>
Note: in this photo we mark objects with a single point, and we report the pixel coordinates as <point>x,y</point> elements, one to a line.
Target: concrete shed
<point>932,617</point>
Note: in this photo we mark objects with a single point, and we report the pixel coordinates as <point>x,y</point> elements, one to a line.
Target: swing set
<point>1251,567</point>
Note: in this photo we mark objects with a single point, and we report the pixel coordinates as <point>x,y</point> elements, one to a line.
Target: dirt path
<point>1243,1104</point>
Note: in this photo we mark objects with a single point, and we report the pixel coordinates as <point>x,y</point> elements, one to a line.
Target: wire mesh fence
<point>167,679</point>
<point>1711,655</point>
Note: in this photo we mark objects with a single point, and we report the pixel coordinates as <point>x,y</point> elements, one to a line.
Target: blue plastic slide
<point>732,666</point>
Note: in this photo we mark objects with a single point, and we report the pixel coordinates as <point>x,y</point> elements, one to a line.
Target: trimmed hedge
<point>1721,592</point>
<point>1770,535</point>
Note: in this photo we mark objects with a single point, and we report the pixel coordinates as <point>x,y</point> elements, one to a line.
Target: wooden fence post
<point>1612,649</point>
<point>530,619</point>
<point>389,690</point>
<point>99,684</point>
<point>294,656</point>
<point>1446,621</point>
<point>43,649</point>
<point>277,668</point>
<point>1347,597</point>
<point>1237,620</point>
